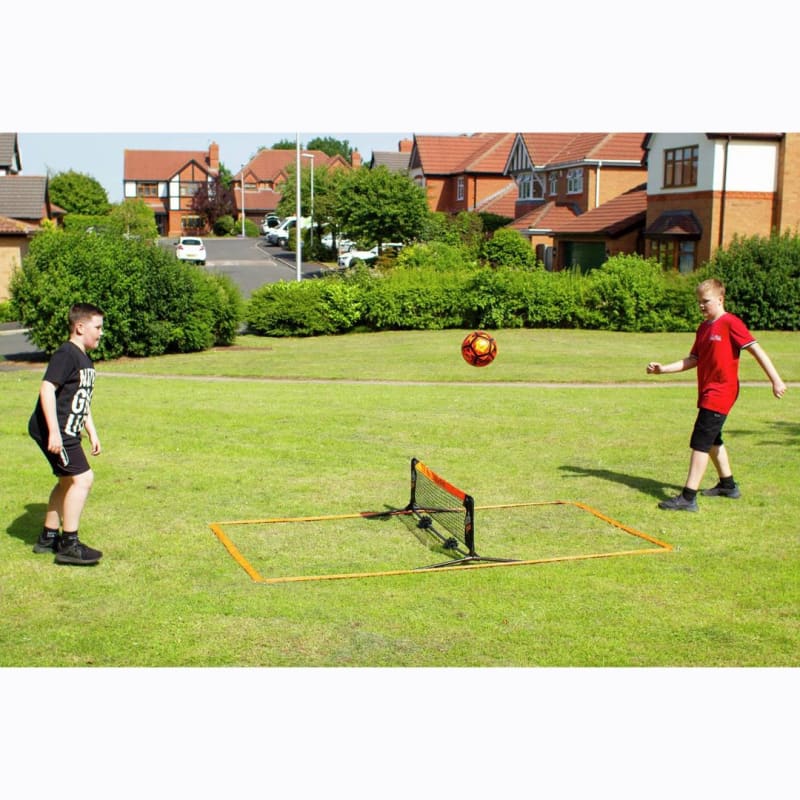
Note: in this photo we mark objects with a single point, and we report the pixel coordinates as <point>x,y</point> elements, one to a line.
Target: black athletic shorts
<point>70,461</point>
<point>707,431</point>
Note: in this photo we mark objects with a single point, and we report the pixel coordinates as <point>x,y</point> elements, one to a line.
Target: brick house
<point>24,205</point>
<point>465,173</point>
<point>704,188</point>
<point>166,181</point>
<point>562,177</point>
<point>266,173</point>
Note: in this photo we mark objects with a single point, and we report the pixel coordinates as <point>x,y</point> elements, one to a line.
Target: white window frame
<point>575,180</point>
<point>552,182</point>
<point>460,188</point>
<point>525,186</point>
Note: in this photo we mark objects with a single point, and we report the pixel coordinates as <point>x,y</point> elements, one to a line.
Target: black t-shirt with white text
<point>73,374</point>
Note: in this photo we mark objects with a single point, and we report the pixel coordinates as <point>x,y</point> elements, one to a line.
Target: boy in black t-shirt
<point>62,411</point>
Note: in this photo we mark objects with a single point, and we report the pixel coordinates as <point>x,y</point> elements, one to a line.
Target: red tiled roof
<point>547,217</point>
<point>160,165</point>
<point>264,200</point>
<point>502,203</point>
<point>542,147</point>
<point>449,155</point>
<point>268,165</point>
<point>602,147</point>
<point>549,149</point>
<point>16,227</point>
<point>611,218</point>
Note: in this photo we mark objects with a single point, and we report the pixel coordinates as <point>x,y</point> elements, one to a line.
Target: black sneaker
<point>46,544</point>
<point>679,503</point>
<point>721,491</point>
<point>75,552</point>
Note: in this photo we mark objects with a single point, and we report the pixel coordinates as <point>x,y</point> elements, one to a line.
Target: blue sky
<point>101,154</point>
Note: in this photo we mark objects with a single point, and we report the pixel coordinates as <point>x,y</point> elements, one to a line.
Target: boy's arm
<point>656,368</point>
<point>47,395</point>
<point>764,361</point>
<point>92,433</point>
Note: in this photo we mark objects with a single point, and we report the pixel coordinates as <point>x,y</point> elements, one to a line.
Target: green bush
<point>627,293</point>
<point>762,280</point>
<point>304,308</point>
<point>509,248</point>
<point>6,312</point>
<point>225,225</point>
<point>153,303</point>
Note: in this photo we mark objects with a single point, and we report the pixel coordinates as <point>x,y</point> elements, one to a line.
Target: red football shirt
<point>717,346</point>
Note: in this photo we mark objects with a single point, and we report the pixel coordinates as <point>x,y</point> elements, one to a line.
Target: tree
<point>332,147</point>
<point>376,205</point>
<point>79,193</point>
<point>213,200</point>
<point>284,144</point>
<point>134,218</point>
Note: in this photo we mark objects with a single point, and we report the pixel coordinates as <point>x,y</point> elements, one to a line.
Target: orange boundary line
<point>216,527</point>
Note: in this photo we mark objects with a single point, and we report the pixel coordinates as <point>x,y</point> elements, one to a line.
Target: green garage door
<point>587,255</point>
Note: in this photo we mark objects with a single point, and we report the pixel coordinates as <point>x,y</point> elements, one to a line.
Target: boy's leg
<point>75,492</point>
<point>70,549</point>
<point>698,462</point>
<point>719,457</point>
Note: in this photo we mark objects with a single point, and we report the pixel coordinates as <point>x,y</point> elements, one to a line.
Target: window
<point>525,186</point>
<point>552,180</point>
<point>574,180</point>
<point>674,254</point>
<point>191,223</point>
<point>680,166</point>
<point>189,188</point>
<point>460,188</point>
<point>147,190</point>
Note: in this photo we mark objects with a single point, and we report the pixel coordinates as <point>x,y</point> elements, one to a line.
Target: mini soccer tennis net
<point>445,513</point>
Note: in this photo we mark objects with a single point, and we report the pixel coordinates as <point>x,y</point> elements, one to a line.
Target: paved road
<point>250,263</point>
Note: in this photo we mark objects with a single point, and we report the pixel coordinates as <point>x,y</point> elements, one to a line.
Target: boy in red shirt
<point>719,340</point>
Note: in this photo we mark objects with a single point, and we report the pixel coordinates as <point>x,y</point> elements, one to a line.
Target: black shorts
<point>70,461</point>
<point>707,431</point>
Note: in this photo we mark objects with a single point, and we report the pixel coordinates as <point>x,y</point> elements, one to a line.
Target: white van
<point>280,235</point>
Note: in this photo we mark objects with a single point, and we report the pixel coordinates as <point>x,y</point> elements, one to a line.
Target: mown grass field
<point>326,427</point>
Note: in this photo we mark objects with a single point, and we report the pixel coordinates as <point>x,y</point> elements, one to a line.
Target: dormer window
<point>575,181</point>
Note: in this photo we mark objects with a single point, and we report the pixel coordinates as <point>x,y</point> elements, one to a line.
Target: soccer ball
<point>478,349</point>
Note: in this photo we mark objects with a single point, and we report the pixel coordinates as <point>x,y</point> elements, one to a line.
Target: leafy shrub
<point>418,299</point>
<point>762,280</point>
<point>437,255</point>
<point>626,293</point>
<point>6,313</point>
<point>224,225</point>
<point>153,303</point>
<point>509,248</point>
<point>304,308</point>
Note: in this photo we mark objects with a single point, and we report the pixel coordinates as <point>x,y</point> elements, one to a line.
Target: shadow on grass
<point>656,489</point>
<point>28,525</point>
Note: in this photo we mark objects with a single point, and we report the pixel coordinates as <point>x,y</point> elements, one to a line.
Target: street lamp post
<point>243,214</point>
<point>311,156</point>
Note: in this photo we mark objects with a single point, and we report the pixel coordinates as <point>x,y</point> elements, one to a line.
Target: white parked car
<point>367,256</point>
<point>191,248</point>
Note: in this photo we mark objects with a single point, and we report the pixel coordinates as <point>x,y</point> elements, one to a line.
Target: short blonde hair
<point>713,285</point>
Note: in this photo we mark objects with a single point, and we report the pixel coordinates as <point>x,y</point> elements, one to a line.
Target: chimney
<point>355,159</point>
<point>405,145</point>
<point>213,156</point>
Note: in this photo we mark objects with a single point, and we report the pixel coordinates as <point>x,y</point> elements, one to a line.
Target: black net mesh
<point>442,510</point>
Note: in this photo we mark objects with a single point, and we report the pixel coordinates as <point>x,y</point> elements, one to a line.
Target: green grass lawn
<point>298,428</point>
<point>327,427</point>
